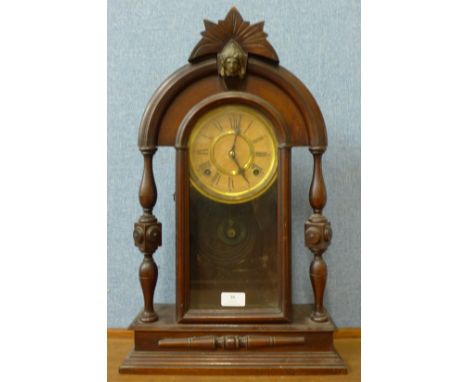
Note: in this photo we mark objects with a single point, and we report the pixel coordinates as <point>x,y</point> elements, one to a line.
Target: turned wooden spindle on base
<point>147,236</point>
<point>318,235</point>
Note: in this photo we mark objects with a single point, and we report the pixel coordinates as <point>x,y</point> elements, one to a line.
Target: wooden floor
<point>120,342</point>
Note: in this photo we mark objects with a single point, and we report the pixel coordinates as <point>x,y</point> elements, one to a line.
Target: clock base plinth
<point>301,346</point>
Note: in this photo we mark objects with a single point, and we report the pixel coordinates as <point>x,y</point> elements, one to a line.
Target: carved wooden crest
<point>251,38</point>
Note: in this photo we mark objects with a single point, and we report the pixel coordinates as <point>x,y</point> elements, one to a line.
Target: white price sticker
<point>232,299</point>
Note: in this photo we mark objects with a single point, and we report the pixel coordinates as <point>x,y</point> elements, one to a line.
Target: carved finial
<point>232,61</point>
<point>250,38</point>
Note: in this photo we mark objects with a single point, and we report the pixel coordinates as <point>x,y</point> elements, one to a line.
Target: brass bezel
<point>234,197</point>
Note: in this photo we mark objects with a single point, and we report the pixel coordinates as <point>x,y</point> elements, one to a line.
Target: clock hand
<point>236,129</point>
<point>241,170</point>
<point>233,148</point>
<point>232,155</point>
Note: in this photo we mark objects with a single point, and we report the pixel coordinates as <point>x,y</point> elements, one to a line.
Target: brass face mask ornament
<point>232,61</point>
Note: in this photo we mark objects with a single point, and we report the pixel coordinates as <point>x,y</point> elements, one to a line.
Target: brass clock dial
<point>233,154</point>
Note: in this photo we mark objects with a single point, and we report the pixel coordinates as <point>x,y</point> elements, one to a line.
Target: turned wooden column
<point>318,235</point>
<point>147,236</point>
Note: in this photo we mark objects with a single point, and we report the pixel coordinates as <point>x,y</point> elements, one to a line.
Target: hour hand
<point>232,155</point>
<point>241,170</point>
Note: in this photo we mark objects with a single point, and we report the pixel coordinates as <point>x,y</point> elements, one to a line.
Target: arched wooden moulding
<point>193,83</point>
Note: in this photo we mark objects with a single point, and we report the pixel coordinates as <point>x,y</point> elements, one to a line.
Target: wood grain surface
<point>347,342</point>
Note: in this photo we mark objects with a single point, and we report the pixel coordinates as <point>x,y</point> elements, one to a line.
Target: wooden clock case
<point>170,339</point>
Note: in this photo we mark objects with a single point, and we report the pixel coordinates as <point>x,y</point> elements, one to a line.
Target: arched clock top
<point>193,83</point>
<point>232,55</point>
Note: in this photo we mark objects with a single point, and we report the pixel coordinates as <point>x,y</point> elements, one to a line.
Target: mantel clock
<point>233,114</point>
